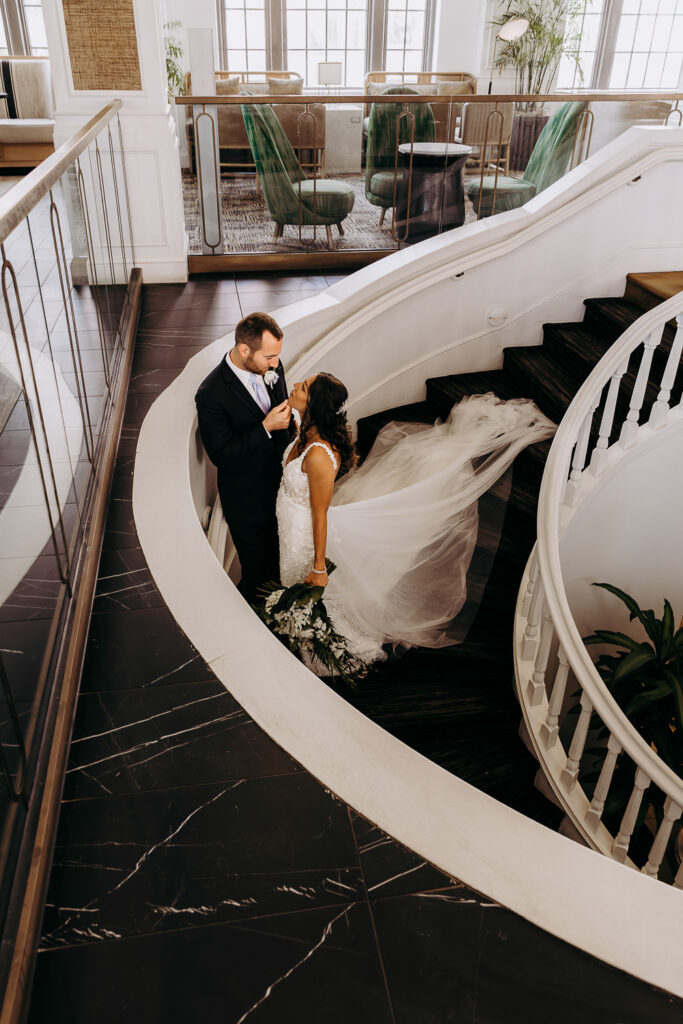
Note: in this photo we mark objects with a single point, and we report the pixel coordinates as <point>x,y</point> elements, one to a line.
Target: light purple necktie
<point>259,394</point>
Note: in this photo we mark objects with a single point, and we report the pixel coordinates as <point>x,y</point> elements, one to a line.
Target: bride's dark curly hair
<point>326,396</point>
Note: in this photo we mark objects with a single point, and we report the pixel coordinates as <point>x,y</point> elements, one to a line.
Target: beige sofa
<point>26,114</point>
<point>306,136</point>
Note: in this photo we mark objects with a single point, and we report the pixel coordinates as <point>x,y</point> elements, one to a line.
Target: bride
<point>402,528</point>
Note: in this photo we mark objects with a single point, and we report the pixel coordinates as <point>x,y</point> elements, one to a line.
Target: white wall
<point>627,531</point>
<point>459,35</point>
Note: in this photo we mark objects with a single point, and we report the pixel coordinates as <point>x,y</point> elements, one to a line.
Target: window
<point>244,28</point>
<point>296,35</point>
<point>327,30</point>
<point>627,44</point>
<point>405,36</point>
<point>35,27</point>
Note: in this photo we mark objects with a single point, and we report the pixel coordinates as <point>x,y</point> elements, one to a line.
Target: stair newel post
<point>551,727</point>
<point>661,406</point>
<point>570,772</point>
<point>594,813</point>
<point>530,641</point>
<point>530,583</point>
<point>536,686</point>
<point>606,423</point>
<point>672,812</point>
<point>630,425</point>
<point>579,460</point>
<point>628,821</point>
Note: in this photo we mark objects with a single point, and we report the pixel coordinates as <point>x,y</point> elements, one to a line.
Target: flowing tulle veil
<point>403,527</point>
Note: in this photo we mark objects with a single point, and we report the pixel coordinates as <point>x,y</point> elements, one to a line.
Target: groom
<point>244,419</point>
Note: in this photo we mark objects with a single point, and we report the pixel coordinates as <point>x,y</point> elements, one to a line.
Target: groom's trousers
<point>258,552</point>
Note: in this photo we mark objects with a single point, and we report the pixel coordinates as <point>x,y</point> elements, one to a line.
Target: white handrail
<point>549,507</point>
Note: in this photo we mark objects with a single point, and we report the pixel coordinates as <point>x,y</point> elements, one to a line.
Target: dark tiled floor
<point>201,874</point>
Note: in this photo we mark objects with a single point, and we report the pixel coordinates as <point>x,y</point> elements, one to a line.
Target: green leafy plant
<point>553,32</point>
<point>174,53</point>
<point>645,677</point>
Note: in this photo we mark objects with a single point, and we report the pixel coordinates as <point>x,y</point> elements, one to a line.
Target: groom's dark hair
<point>249,330</point>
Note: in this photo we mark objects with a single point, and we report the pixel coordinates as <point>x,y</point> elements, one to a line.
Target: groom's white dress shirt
<point>254,384</point>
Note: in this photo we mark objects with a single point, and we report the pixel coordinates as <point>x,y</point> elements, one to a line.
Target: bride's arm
<point>321,476</point>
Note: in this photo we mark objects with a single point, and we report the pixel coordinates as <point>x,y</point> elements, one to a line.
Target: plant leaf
<point>633,662</point>
<point>608,636</point>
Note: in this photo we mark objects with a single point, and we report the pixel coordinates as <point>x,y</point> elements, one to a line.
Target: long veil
<point>403,527</point>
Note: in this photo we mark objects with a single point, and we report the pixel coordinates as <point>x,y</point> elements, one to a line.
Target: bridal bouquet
<point>298,617</point>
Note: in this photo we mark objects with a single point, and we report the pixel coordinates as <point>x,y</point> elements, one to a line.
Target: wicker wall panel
<point>103,46</point>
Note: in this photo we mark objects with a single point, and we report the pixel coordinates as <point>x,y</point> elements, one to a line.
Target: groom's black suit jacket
<point>249,462</point>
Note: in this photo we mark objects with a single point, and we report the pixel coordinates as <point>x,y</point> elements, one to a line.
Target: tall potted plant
<point>553,32</point>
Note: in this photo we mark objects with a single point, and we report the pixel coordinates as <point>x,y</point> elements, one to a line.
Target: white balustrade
<point>604,782</point>
<point>628,821</point>
<point>630,426</point>
<point>544,617</point>
<point>661,406</point>
<point>672,812</point>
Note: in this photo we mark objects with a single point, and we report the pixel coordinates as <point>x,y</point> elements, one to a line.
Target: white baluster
<point>535,690</point>
<point>630,425</point>
<point>606,423</point>
<point>571,770</point>
<point>628,821</point>
<point>661,406</point>
<point>530,641</point>
<point>672,812</point>
<point>597,806</point>
<point>531,583</point>
<point>579,460</point>
<point>551,727</point>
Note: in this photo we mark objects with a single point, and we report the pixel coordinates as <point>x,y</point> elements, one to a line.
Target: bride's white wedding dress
<point>402,528</point>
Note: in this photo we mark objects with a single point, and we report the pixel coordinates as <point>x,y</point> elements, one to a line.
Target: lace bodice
<point>295,524</point>
<point>294,480</point>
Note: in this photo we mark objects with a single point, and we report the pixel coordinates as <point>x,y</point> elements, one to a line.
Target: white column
<point>149,138</point>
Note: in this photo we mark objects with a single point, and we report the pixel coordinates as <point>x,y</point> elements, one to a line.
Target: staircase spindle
<point>530,641</point>
<point>661,406</point>
<point>630,425</point>
<point>536,685</point>
<point>531,583</point>
<point>551,727</point>
<point>672,812</point>
<point>606,423</point>
<point>579,460</point>
<point>628,821</point>
<point>594,813</point>
<point>570,772</point>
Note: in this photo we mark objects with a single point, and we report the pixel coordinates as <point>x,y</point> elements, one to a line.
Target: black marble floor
<point>201,874</point>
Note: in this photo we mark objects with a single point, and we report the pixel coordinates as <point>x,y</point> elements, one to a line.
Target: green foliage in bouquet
<point>646,680</point>
<point>299,619</point>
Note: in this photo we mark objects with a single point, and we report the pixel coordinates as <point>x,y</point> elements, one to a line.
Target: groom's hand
<point>278,418</point>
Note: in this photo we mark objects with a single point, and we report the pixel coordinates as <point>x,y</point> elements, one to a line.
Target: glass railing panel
<point>268,176</point>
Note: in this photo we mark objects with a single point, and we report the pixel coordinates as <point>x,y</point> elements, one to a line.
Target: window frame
<point>376,35</point>
<point>605,52</point>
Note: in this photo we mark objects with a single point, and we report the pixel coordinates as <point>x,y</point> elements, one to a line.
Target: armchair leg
<point>279,228</point>
<point>330,239</point>
<point>381,216</point>
<point>340,229</point>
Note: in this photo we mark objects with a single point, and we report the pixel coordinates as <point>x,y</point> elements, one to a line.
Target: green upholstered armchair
<point>549,160</point>
<point>380,150</point>
<point>323,201</point>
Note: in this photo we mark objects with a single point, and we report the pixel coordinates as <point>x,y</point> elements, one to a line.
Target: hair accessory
<point>342,408</point>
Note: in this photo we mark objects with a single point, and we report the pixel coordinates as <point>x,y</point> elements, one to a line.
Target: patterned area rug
<point>247,226</point>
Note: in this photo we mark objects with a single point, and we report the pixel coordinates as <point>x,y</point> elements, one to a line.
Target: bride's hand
<point>317,579</point>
